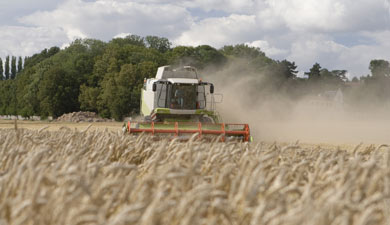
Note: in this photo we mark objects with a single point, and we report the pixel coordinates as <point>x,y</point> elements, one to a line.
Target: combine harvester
<point>177,103</point>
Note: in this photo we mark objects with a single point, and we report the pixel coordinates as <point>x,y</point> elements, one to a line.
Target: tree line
<point>9,69</point>
<point>106,77</point>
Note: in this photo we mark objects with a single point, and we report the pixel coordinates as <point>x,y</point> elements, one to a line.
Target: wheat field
<point>104,177</point>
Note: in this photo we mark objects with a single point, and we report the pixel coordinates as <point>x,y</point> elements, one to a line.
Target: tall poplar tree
<point>24,62</point>
<point>6,68</point>
<point>20,64</point>
<point>13,67</point>
<point>1,69</point>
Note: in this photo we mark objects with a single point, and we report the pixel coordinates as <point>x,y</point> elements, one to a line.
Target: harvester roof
<point>182,81</point>
<point>185,72</point>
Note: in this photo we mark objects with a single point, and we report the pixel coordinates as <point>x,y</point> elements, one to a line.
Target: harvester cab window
<point>201,102</point>
<point>183,96</point>
<point>162,94</point>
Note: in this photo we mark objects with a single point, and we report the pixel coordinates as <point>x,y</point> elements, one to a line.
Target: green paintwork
<point>162,111</point>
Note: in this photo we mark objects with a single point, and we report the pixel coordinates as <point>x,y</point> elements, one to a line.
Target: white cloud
<point>331,55</point>
<point>380,37</point>
<point>265,47</point>
<point>218,31</point>
<point>122,35</point>
<point>307,50</point>
<point>104,19</point>
<point>387,5</point>
<point>231,6</point>
<point>304,31</point>
<point>28,4</point>
<point>10,11</point>
<point>325,15</point>
<point>357,58</point>
<point>25,41</point>
<point>305,14</point>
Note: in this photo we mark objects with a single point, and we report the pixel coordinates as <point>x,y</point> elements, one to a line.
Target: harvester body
<point>178,103</point>
<point>178,95</point>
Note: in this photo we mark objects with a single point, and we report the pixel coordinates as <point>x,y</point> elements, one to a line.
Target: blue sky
<point>339,34</point>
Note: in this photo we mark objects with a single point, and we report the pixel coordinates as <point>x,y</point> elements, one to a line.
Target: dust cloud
<point>274,117</point>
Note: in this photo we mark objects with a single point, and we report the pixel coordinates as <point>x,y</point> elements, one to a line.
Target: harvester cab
<point>178,103</point>
<point>178,95</point>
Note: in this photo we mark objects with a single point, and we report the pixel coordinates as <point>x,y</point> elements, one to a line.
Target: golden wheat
<point>102,177</point>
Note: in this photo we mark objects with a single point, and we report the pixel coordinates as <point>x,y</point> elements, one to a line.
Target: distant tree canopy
<point>288,69</point>
<point>106,77</point>
<point>379,68</point>
<point>160,44</point>
<point>242,51</point>
<point>315,72</point>
<point>199,57</point>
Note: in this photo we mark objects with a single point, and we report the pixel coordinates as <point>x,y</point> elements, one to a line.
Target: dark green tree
<point>159,43</point>
<point>129,40</point>
<point>117,89</point>
<point>1,70</point>
<point>315,72</point>
<point>120,91</point>
<point>88,98</point>
<point>242,51</point>
<point>199,57</point>
<point>379,68</point>
<point>8,101</point>
<point>13,67</point>
<point>182,55</point>
<point>52,51</point>
<point>37,58</point>
<point>6,71</point>
<point>208,56</point>
<point>254,58</point>
<point>288,69</point>
<point>58,92</point>
<point>24,62</point>
<point>20,64</point>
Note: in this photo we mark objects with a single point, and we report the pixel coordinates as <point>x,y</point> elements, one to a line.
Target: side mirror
<point>154,88</point>
<point>211,88</point>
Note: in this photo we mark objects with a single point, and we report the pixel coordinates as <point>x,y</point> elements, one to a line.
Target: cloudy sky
<point>339,34</point>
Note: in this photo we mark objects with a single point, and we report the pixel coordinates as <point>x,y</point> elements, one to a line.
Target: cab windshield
<point>182,96</point>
